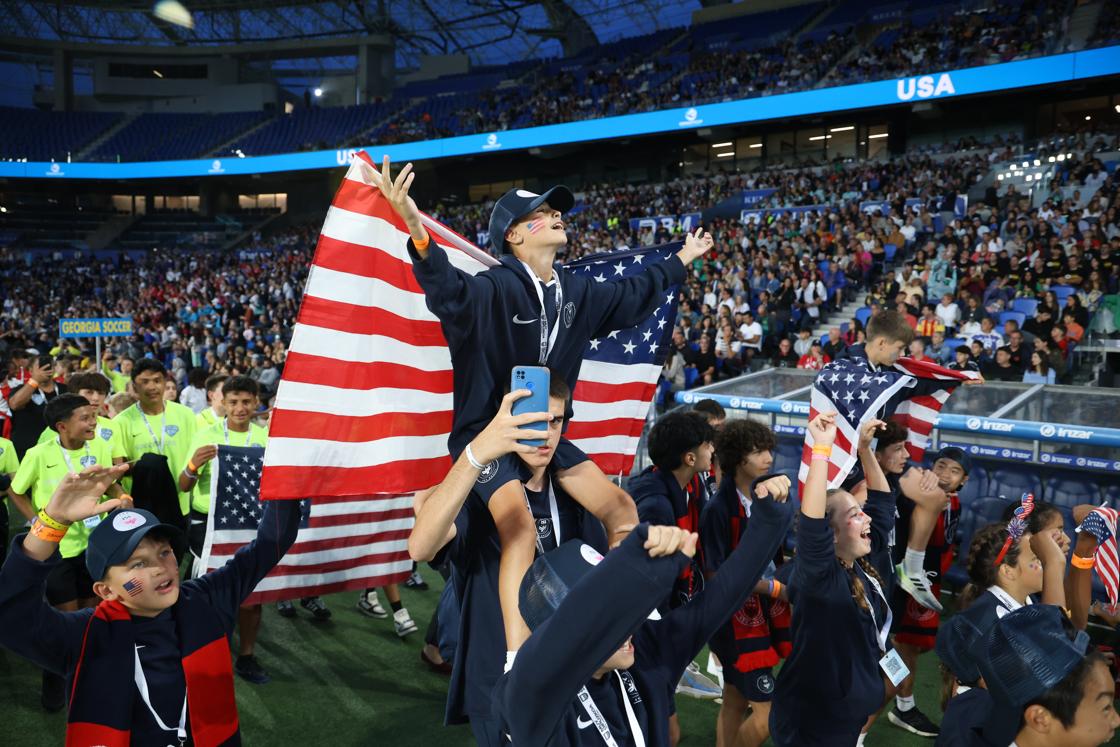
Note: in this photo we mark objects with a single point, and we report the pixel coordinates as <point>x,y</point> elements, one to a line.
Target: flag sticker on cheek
<point>133,586</point>
<point>535,226</point>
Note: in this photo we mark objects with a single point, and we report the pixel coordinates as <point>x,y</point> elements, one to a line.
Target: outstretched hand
<point>505,432</point>
<point>696,244</point>
<point>78,496</point>
<point>396,192</point>
<point>868,430</point>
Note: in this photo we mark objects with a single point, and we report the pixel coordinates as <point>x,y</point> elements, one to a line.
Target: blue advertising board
<point>95,327</point>
<point>935,85</point>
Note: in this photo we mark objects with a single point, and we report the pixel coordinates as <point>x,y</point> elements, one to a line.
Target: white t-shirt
<point>750,331</point>
<point>949,315</point>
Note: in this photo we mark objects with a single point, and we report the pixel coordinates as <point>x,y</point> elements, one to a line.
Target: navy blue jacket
<point>475,554</point>
<point>536,701</point>
<point>831,681</point>
<point>972,719</point>
<point>53,640</point>
<point>477,314</point>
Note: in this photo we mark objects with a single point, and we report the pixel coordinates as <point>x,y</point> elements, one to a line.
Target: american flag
<point>911,392</point>
<point>364,405</point>
<point>351,542</point>
<point>1101,523</point>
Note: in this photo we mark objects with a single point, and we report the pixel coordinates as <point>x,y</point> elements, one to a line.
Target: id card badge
<point>894,667</point>
<point>92,522</point>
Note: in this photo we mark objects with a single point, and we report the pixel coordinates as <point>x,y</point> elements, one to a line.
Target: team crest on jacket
<point>765,684</point>
<point>171,430</point>
<point>544,528</point>
<point>569,314</point>
<point>489,472</point>
<point>750,614</point>
<point>917,612</point>
<point>106,434</point>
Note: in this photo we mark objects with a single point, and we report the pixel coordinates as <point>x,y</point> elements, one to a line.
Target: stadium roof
<point>489,31</point>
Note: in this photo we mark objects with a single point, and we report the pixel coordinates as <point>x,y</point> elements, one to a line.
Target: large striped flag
<point>1101,523</point>
<point>911,391</point>
<point>364,405</point>
<point>349,542</point>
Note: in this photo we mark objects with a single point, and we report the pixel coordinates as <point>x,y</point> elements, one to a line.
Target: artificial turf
<point>351,681</point>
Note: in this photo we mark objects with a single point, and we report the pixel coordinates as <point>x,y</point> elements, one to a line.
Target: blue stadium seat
<point>1011,484</point>
<point>1018,316</point>
<point>1069,491</point>
<point>787,455</point>
<point>690,377</point>
<point>1111,494</point>
<point>975,487</point>
<point>1063,292</point>
<point>889,250</point>
<point>863,314</point>
<point>1025,305</point>
<point>979,513</point>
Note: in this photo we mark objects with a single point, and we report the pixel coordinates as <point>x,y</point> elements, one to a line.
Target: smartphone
<point>537,380</point>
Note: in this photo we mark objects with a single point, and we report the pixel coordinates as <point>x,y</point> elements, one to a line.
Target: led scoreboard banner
<point>933,86</point>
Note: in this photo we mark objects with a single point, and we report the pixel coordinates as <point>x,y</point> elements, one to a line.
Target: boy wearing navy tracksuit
<point>595,669</point>
<point>526,311</point>
<point>453,523</point>
<point>150,664</point>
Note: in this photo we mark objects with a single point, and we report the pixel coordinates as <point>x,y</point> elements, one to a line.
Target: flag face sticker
<point>364,404</point>
<point>535,226</point>
<point>911,392</point>
<point>348,542</point>
<point>133,586</point>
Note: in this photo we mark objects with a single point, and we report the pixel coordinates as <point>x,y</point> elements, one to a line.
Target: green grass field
<point>351,681</point>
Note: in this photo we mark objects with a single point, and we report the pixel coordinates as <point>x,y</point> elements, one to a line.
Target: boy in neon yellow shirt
<point>9,464</point>
<point>214,411</point>
<point>119,379</point>
<point>240,400</point>
<point>154,426</point>
<point>95,388</point>
<point>75,447</point>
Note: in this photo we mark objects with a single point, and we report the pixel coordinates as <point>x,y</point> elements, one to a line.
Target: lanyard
<point>162,426</point>
<point>548,340</point>
<point>142,687</point>
<point>600,723</point>
<point>883,632</point>
<point>553,509</point>
<point>248,434</point>
<point>66,455</point>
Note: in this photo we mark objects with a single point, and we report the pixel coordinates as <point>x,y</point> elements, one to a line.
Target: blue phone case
<point>537,380</point>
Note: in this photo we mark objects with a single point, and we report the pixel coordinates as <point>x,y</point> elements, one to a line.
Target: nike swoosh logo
<point>519,320</point>
<point>583,724</point>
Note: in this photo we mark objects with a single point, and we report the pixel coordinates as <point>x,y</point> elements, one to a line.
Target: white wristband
<point>470,458</point>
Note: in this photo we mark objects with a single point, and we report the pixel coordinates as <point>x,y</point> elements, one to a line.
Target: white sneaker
<point>918,587</point>
<point>402,623</point>
<point>370,606</point>
<point>695,684</point>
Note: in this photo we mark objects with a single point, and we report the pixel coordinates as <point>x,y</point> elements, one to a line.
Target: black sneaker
<point>913,721</point>
<point>249,670</point>
<point>416,581</point>
<point>285,608</point>
<point>53,697</point>
<point>316,607</point>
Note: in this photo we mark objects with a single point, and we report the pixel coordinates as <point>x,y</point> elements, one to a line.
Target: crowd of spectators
<point>760,299</point>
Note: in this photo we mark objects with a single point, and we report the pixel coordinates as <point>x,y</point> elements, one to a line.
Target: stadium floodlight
<point>1037,162</point>
<point>756,145</point>
<point>1050,159</point>
<point>1000,177</point>
<point>1026,164</point>
<point>729,154</point>
<point>157,73</point>
<point>173,11</point>
<point>842,129</point>
<point>881,134</point>
<point>728,144</point>
<point>1088,117</point>
<point>318,92</point>
<point>1117,108</point>
<point>3,209</point>
<point>1061,156</point>
<point>1069,155</point>
<point>821,137</point>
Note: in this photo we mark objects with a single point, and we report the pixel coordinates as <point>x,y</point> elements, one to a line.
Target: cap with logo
<point>116,538</point>
<point>551,576</point>
<point>517,203</point>
<point>1029,651</point>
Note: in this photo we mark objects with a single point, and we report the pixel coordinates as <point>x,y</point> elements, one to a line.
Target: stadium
<point>198,233</point>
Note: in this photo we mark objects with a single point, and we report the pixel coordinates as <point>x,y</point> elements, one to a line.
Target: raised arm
<point>873,473</point>
<point>435,515</point>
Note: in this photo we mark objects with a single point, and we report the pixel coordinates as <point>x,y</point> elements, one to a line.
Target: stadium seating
<point>158,136</point>
<point>1011,484</point>
<point>49,136</point>
<point>1071,491</point>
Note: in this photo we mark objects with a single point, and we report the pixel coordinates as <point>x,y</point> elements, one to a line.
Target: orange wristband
<point>423,243</point>
<point>33,383</point>
<point>1083,563</point>
<point>45,533</point>
<point>823,449</point>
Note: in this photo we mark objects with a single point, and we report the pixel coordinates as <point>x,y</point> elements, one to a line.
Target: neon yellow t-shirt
<point>41,471</point>
<point>9,462</point>
<point>216,435</point>
<point>206,418</point>
<point>106,431</point>
<point>116,378</point>
<point>168,433</point>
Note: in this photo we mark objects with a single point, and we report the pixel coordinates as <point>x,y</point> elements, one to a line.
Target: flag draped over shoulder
<point>365,401</point>
<point>911,392</point>
<point>344,542</point>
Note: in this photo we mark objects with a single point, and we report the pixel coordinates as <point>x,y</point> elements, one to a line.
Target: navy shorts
<point>756,685</point>
<point>508,468</point>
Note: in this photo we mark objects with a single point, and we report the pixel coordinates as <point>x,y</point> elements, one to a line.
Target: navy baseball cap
<point>519,202</point>
<point>1029,651</point>
<point>116,537</point>
<point>956,454</point>
<point>551,576</point>
<point>955,646</point>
